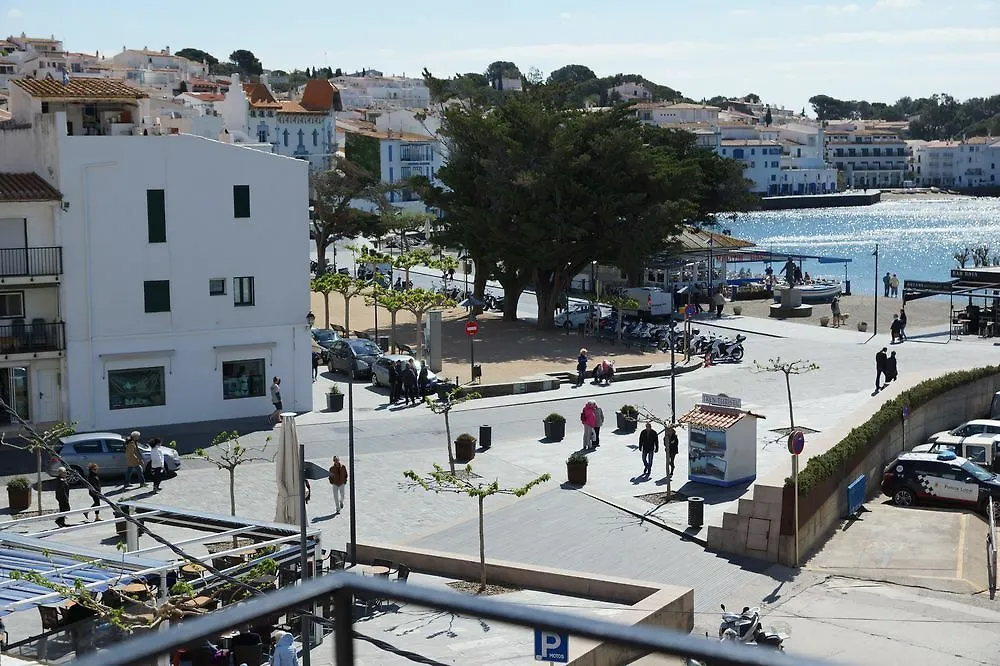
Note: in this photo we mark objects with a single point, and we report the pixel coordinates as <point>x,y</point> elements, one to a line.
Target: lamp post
<point>673,374</point>
<point>350,463</point>
<point>875,254</point>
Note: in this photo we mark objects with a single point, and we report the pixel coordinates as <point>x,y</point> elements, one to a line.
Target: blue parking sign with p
<point>550,646</point>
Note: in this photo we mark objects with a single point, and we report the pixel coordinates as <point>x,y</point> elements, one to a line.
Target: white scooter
<point>747,628</point>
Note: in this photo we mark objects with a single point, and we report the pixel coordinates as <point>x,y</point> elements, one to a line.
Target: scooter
<point>723,349</point>
<point>747,628</point>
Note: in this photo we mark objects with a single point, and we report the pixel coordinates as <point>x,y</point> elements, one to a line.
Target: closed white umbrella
<point>289,471</point>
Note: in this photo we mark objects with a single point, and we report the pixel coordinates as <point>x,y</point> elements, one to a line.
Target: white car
<point>578,314</point>
<point>964,431</point>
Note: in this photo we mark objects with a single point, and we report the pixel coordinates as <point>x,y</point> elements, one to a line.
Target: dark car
<point>325,337</point>
<point>356,354</point>
<point>939,477</point>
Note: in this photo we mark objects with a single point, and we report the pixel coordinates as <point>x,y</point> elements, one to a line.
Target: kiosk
<point>722,441</point>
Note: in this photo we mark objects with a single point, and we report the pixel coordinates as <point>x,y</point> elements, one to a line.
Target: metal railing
<point>24,338</point>
<point>342,587</point>
<point>30,261</point>
<point>991,549</point>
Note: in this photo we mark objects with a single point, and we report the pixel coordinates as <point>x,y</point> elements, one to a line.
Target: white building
<point>31,57</point>
<point>372,90</point>
<point>868,158</point>
<point>304,129</point>
<point>629,90</point>
<point>803,160</point>
<point>970,163</point>
<point>663,114</point>
<point>147,59</point>
<point>184,318</point>
<point>761,160</point>
<point>204,103</point>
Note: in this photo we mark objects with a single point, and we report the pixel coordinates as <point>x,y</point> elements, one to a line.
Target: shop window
<point>243,379</point>
<point>157,295</point>
<point>136,387</point>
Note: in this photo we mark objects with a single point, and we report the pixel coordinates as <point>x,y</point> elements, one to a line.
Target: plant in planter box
<point>576,468</point>
<point>334,399</point>
<point>18,494</point>
<point>628,418</point>
<point>555,427</point>
<point>465,447</point>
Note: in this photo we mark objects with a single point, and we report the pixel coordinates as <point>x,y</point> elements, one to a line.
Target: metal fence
<point>342,587</point>
<point>991,549</point>
<point>30,261</point>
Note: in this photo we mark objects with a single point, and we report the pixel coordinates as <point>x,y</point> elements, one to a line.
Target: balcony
<point>38,336</point>
<point>30,262</point>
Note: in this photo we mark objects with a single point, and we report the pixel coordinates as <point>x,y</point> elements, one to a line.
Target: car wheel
<point>567,325</point>
<point>902,497</point>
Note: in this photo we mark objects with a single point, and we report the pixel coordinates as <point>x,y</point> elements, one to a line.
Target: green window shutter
<point>157,295</point>
<point>156,216</point>
<point>241,201</point>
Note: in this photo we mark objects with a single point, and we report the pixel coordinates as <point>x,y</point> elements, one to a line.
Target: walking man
<point>338,479</point>
<point>719,300</point>
<point>393,385</point>
<point>133,461</point>
<point>895,328</point>
<point>316,358</point>
<point>886,282</point>
<point>880,363</point>
<point>275,416</point>
<point>902,323</point>
<point>671,444</point>
<point>599,421</point>
<point>649,444</point>
<point>156,463</point>
<point>62,496</point>
<point>581,367</point>
<point>891,372</point>
<point>410,383</point>
<point>95,481</point>
<point>894,286</point>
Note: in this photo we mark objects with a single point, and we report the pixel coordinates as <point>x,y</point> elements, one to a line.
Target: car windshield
<point>977,471</point>
<point>365,348</point>
<point>324,335</point>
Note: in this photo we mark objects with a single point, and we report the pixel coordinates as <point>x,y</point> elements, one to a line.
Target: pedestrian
<point>835,311</point>
<point>671,444</point>
<point>599,421</point>
<point>894,286</point>
<point>95,488</point>
<point>902,324</point>
<point>393,388</point>
<point>880,362</point>
<point>720,303</point>
<point>62,495</point>
<point>156,463</point>
<point>649,444</point>
<point>422,379</point>
<point>398,382</point>
<point>696,295</point>
<point>891,372</point>
<point>284,653</point>
<point>451,273</point>
<point>588,417</point>
<point>316,360</point>
<point>410,383</point>
<point>338,479</point>
<point>894,329</point>
<point>133,460</point>
<point>581,367</point>
<point>887,283</point>
<point>798,275</point>
<point>275,416</point>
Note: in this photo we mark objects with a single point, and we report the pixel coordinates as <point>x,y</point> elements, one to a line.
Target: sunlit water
<point>916,238</point>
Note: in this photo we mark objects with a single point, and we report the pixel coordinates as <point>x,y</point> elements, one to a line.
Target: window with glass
<point>243,291</point>
<point>11,304</point>
<point>243,379</point>
<point>217,287</point>
<point>136,387</point>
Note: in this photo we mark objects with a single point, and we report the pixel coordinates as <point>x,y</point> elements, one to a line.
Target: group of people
<point>592,418</point>
<point>898,326</point>
<point>891,285</point>
<point>603,372</point>
<point>406,382</point>
<point>885,367</point>
<point>133,467</point>
<point>649,446</point>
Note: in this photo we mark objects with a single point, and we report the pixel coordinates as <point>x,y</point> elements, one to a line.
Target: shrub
<point>334,389</point>
<point>555,418</point>
<point>629,412</point>
<point>465,437</point>
<point>860,439</point>
<point>18,483</point>
<point>577,458</point>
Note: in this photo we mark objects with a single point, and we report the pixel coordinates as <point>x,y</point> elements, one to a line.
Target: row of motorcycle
<point>665,338</point>
<point>490,302</point>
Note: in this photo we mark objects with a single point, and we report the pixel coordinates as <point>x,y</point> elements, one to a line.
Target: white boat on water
<point>815,292</point>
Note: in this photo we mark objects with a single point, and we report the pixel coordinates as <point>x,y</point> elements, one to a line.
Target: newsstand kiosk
<point>722,441</point>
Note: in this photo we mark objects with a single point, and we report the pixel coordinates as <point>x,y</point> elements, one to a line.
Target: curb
<point>656,521</point>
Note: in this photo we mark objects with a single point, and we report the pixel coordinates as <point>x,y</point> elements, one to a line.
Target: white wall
<point>108,257</point>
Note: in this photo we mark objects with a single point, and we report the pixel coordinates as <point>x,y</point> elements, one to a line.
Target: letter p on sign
<point>551,646</point>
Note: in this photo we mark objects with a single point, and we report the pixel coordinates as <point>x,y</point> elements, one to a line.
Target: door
<point>47,407</point>
<point>14,393</point>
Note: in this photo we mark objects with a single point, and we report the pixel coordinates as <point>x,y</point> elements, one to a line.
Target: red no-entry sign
<point>796,442</point>
<point>471,328</point>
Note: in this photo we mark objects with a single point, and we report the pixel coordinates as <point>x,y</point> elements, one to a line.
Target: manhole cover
<point>788,431</point>
<point>662,497</point>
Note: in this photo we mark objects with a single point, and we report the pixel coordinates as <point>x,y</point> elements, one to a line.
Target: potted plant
<point>465,447</point>
<point>737,309</point>
<point>334,399</point>
<point>555,427</point>
<point>18,494</point>
<point>628,418</point>
<point>824,320</point>
<point>576,468</point>
<point>863,326</point>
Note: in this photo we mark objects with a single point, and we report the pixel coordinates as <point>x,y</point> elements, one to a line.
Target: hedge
<point>860,439</point>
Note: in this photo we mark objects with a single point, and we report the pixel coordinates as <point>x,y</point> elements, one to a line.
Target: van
<point>654,303</point>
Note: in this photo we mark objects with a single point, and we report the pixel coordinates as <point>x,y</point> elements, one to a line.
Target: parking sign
<point>550,646</point>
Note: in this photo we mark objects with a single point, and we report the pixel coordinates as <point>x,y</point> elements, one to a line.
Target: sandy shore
<point>921,314</point>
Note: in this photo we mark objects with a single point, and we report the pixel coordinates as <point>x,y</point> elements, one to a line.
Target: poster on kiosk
<point>722,441</point>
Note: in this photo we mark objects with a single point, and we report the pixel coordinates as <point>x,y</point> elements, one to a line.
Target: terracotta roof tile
<point>704,417</point>
<point>26,187</point>
<point>321,95</point>
<point>260,97</point>
<point>78,88</point>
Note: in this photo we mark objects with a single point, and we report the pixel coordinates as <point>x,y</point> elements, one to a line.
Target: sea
<point>916,238</point>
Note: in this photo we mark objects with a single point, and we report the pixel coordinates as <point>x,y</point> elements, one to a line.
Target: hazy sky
<point>784,50</point>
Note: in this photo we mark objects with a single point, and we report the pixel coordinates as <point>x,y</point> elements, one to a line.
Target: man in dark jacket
<point>410,383</point>
<point>880,359</point>
<point>671,444</point>
<point>393,389</point>
<point>649,443</point>
<point>891,373</point>
<point>895,329</point>
<point>62,495</point>
<point>397,384</point>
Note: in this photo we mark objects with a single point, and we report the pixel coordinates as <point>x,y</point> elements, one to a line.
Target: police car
<point>939,477</point>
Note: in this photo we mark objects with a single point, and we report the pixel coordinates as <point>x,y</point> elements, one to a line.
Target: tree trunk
<point>447,434</point>
<point>420,335</point>
<point>326,308</point>
<point>232,491</point>
<point>513,287</point>
<point>634,276</point>
<point>392,332</point>
<point>38,478</point>
<point>322,242</point>
<point>548,286</point>
<point>479,288</point>
<point>788,388</point>
<point>347,315</point>
<point>482,548</point>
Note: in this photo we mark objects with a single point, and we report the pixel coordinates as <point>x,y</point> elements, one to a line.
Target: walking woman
<point>156,463</point>
<point>95,481</point>
<point>62,496</point>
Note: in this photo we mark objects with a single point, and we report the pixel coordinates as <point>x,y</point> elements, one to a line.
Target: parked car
<point>940,478</point>
<point>380,372</point>
<point>984,450</point>
<point>325,337</point>
<point>107,449</point>
<point>357,354</point>
<point>969,429</point>
<point>578,314</point>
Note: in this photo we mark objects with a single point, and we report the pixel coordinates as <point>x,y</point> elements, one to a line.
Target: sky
<point>786,51</point>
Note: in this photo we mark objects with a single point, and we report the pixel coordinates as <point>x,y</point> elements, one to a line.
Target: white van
<point>653,302</point>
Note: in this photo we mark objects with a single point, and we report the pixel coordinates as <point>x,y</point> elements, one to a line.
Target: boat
<point>814,292</point>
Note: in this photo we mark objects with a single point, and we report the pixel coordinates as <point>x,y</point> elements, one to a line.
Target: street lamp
<point>465,258</point>
<point>350,463</point>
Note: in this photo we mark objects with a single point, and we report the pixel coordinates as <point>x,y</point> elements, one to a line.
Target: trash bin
<point>485,436</point>
<point>696,511</point>
<point>383,343</point>
<point>477,371</point>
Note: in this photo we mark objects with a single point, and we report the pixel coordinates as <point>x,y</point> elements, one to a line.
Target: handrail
<point>343,586</point>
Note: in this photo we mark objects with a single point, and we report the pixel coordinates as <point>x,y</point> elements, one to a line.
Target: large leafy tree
<point>198,55</point>
<point>572,75</point>
<point>246,62</point>
<point>334,217</point>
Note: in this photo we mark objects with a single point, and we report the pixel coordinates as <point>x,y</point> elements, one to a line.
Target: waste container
<point>485,436</point>
<point>477,371</point>
<point>383,343</point>
<point>696,511</point>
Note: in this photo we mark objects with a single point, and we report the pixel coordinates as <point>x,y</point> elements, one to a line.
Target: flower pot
<point>465,449</point>
<point>334,401</point>
<point>625,424</point>
<point>737,309</point>
<point>18,499</point>
<point>555,430</point>
<point>863,326</point>
<point>824,320</point>
<point>576,473</point>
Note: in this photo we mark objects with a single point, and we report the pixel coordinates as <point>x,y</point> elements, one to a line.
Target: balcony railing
<point>36,336</point>
<point>30,261</point>
<point>341,588</point>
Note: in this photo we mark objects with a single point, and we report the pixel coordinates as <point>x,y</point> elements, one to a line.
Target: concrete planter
<point>18,499</point>
<point>335,401</point>
<point>625,424</point>
<point>554,430</point>
<point>737,309</point>
<point>576,473</point>
<point>824,321</point>
<point>465,448</point>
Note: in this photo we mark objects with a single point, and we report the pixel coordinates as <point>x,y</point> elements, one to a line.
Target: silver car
<point>107,449</point>
<point>380,371</point>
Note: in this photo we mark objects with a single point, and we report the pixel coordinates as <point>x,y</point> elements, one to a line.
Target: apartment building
<point>31,57</point>
<point>145,278</point>
<point>868,158</point>
<point>970,163</point>
<point>373,90</point>
<point>664,114</point>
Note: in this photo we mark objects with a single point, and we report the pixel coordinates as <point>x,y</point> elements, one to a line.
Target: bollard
<point>696,511</point>
<point>485,436</point>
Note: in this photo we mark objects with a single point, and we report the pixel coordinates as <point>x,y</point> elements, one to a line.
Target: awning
<point>715,418</point>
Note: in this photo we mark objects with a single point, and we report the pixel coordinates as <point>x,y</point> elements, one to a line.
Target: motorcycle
<point>747,629</point>
<point>724,349</point>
